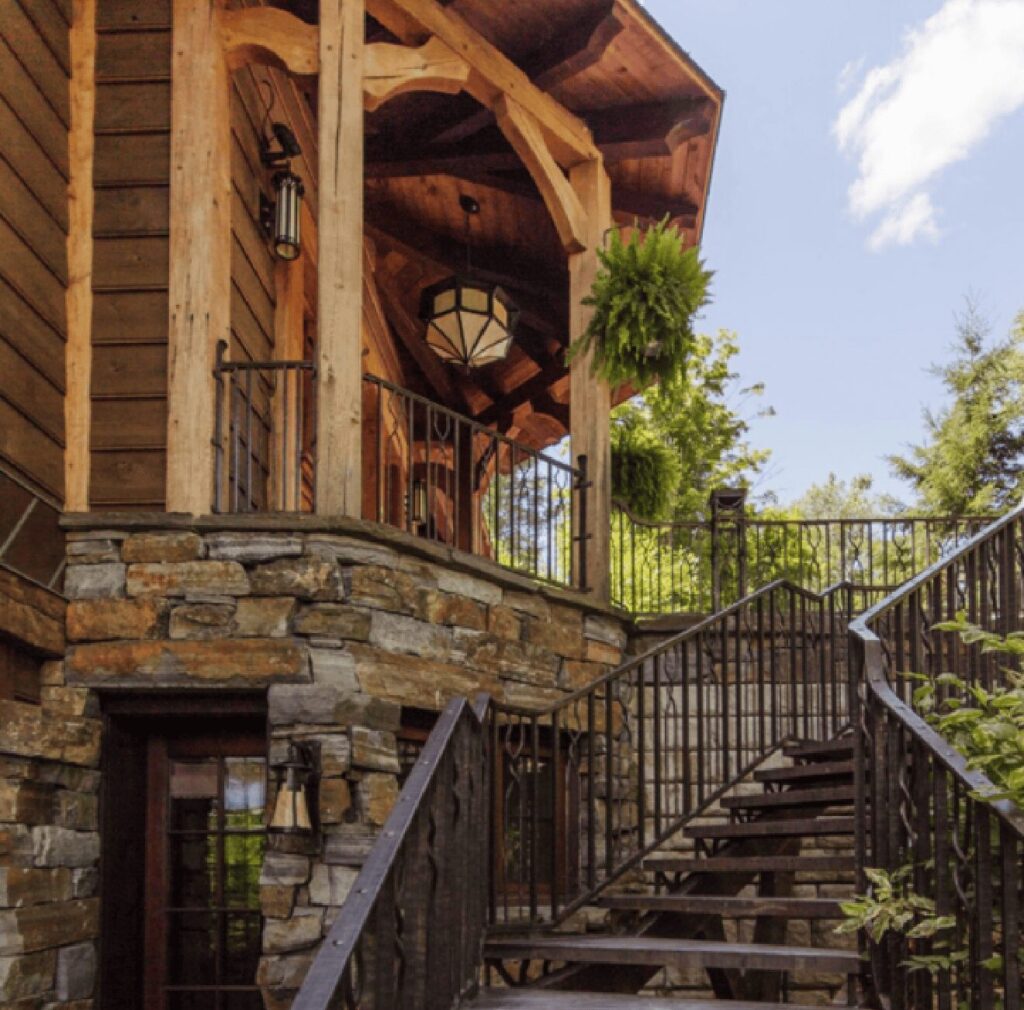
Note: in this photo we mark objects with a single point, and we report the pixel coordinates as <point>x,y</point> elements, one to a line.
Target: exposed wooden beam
<point>340,250</point>
<point>654,206</point>
<point>501,411</point>
<point>524,134</point>
<point>269,35</point>
<point>200,249</point>
<point>557,61</point>
<point>397,166</point>
<point>494,74</point>
<point>78,297</point>
<point>590,397</point>
<point>650,130</point>
<point>546,404</point>
<point>393,70</point>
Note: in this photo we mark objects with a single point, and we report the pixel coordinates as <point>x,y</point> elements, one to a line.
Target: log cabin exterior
<point>260,542</point>
<point>162,368</point>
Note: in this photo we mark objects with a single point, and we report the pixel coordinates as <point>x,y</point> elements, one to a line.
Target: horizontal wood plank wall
<point>132,173</point>
<point>34,119</point>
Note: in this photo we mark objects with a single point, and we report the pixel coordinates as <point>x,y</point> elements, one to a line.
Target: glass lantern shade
<point>468,322</point>
<point>287,213</point>
<point>291,808</point>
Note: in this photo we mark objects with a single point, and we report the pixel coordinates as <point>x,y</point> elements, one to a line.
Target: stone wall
<point>343,631</point>
<point>49,845</point>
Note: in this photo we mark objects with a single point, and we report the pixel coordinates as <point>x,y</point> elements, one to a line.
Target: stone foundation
<point>343,631</point>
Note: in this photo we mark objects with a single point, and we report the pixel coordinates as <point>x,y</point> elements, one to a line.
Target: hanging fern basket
<point>645,298</point>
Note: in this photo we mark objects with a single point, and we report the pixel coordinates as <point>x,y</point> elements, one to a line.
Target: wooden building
<point>245,503</point>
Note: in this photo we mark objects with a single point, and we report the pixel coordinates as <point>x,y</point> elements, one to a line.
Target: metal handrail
<point>919,801</point>
<point>410,933</point>
<point>613,759</point>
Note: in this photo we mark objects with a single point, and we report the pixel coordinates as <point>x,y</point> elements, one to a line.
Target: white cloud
<point>960,72</point>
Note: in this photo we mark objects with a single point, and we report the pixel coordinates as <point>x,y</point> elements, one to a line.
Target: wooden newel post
<point>340,259</point>
<point>200,249</point>
<point>590,398</point>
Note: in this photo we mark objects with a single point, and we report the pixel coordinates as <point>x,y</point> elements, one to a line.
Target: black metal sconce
<point>280,219</point>
<point>296,782</point>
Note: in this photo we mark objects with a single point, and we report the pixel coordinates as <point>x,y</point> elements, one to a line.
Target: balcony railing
<point>426,469</point>
<point>700,567</point>
<point>265,434</point>
<point>447,478</point>
<point>31,541</point>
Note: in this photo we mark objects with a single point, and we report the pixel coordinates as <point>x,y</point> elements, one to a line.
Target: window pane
<point>191,954</point>
<point>242,944</point>
<point>194,789</point>
<point>193,871</point>
<point>243,858</point>
<point>245,789</point>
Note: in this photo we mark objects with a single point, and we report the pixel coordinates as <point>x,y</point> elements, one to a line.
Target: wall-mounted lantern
<point>469,322</point>
<point>281,218</point>
<point>295,780</point>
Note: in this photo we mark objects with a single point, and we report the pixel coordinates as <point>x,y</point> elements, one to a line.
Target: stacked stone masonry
<point>342,632</point>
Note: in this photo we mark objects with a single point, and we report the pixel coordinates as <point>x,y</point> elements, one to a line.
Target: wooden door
<point>205,840</point>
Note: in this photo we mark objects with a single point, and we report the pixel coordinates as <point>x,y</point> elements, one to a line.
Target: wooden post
<point>340,238</point>
<point>590,398</point>
<point>200,249</point>
<point>78,299</point>
<point>289,337</point>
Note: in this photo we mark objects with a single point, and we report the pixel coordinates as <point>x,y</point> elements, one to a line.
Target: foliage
<point>839,499</point>
<point>644,298</point>
<point>645,470</point>
<point>986,725</point>
<point>972,460</point>
<point>892,906</point>
<point>701,421</point>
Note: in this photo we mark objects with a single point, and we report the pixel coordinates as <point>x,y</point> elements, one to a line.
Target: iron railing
<point>699,567</point>
<point>410,934</point>
<point>918,801</point>
<point>445,477</point>
<point>264,438</point>
<point>586,788</point>
<point>31,540</point>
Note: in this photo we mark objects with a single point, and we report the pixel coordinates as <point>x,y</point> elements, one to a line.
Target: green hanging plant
<point>645,471</point>
<point>645,297</point>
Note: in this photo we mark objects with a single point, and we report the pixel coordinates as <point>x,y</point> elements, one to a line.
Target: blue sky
<point>841,270</point>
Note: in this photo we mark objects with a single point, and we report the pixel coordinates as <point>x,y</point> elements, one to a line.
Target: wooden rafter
<point>268,34</point>
<point>523,132</point>
<point>650,130</point>
<point>392,70</point>
<point>553,63</point>
<point>493,75</point>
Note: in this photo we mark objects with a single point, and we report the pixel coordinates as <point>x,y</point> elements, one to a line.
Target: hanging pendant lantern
<point>469,322</point>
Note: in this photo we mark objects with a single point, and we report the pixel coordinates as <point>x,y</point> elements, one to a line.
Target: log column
<point>340,283</point>
<point>200,249</point>
<point>590,398</point>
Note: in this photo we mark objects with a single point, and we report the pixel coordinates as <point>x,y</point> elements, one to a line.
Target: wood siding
<point>34,118</point>
<point>132,172</point>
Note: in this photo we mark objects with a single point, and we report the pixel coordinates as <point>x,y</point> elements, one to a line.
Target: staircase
<point>678,835</point>
<point>725,911</point>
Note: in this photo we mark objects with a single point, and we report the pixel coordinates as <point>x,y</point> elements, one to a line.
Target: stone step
<point>548,999</point>
<point>751,864</point>
<point>807,772</point>
<point>825,796</point>
<point>829,750</point>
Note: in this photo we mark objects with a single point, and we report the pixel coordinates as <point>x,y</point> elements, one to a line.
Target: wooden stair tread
<point>543,999</point>
<point>776,828</point>
<point>750,864</point>
<point>726,906</point>
<point>799,773</point>
<point>679,953</point>
<point>811,750</point>
<point>825,796</point>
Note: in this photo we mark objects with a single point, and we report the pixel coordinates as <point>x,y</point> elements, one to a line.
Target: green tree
<point>839,499</point>
<point>972,458</point>
<point>701,421</point>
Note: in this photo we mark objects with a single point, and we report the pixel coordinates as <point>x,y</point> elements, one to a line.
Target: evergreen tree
<point>972,459</point>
